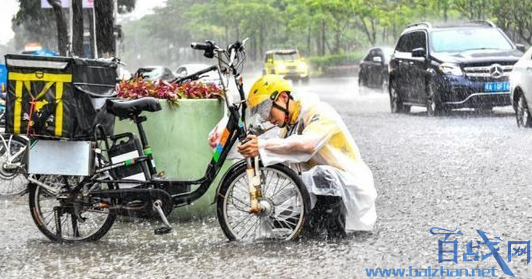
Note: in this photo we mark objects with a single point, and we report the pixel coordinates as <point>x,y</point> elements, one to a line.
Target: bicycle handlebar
<point>196,75</point>
<point>209,47</point>
<point>199,46</point>
<point>230,62</point>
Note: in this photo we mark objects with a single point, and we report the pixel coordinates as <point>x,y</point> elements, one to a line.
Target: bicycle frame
<point>235,130</point>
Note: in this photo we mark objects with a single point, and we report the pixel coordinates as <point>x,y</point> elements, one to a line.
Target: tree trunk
<point>309,38</point>
<point>226,34</point>
<point>373,32</point>
<point>318,45</point>
<point>337,41</point>
<point>369,33</point>
<point>77,34</point>
<point>62,33</point>
<point>105,38</point>
<point>91,32</point>
<point>445,11</point>
<point>261,39</point>
<point>323,38</point>
<point>255,54</point>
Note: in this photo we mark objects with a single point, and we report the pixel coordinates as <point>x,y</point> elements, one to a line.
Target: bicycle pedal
<point>162,230</point>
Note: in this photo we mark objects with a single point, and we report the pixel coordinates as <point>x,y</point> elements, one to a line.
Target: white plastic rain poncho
<point>329,159</point>
<point>321,147</point>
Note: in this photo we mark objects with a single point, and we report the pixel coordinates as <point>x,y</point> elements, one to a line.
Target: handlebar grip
<point>199,46</point>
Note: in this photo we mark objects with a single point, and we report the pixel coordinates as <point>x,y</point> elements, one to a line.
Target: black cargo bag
<point>58,97</point>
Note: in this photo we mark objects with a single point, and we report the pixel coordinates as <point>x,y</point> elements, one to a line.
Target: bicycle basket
<point>58,97</point>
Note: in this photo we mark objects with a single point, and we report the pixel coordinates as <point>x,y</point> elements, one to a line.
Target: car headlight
<point>281,68</point>
<point>302,67</point>
<point>450,69</point>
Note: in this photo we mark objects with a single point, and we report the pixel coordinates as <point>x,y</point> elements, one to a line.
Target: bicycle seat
<point>129,108</point>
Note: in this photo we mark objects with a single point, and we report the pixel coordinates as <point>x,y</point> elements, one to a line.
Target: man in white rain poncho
<point>315,136</point>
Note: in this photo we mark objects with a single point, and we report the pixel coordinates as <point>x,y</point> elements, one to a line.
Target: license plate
<point>496,86</point>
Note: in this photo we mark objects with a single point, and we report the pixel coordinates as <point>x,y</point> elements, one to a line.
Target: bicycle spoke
<point>276,185</point>
<point>252,226</point>
<point>266,183</point>
<point>285,221</point>
<point>240,201</point>
<point>247,222</point>
<point>245,189</point>
<point>236,226</point>
<point>280,190</point>
<point>49,216</point>
<point>64,226</point>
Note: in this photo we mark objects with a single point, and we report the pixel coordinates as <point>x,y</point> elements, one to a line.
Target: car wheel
<point>522,114</point>
<point>264,72</point>
<point>396,102</point>
<point>433,104</point>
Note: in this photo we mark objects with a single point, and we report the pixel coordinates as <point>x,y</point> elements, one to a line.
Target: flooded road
<point>464,171</point>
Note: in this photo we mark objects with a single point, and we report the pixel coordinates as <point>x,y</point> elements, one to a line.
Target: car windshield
<point>464,39</point>
<point>291,56</point>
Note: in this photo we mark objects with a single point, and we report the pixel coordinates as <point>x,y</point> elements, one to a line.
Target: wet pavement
<point>463,170</point>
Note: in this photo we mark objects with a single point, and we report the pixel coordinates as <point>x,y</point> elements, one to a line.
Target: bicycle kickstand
<point>167,228</point>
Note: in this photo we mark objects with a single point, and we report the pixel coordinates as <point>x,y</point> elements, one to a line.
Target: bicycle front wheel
<point>82,217</point>
<point>285,202</point>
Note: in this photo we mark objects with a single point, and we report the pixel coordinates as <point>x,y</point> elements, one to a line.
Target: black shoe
<point>327,217</point>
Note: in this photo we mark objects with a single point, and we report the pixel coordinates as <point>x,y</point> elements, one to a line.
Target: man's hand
<point>250,148</point>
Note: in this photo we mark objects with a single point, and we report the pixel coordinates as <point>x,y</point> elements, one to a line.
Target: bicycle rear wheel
<point>83,218</point>
<point>12,152</point>
<point>285,200</point>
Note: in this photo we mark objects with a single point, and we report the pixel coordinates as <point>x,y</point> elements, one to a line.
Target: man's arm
<point>296,148</point>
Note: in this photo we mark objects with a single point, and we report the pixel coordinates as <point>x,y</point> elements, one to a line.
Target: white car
<point>154,73</point>
<point>521,89</point>
<point>209,78</point>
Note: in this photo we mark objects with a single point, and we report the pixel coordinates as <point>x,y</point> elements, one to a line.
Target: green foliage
<point>329,28</point>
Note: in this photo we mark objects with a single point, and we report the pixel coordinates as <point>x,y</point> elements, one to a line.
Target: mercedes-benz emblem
<point>496,71</point>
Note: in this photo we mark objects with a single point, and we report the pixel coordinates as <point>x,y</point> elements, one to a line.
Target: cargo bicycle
<point>253,202</point>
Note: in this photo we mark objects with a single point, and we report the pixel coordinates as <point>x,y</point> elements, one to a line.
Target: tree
<point>62,33</point>
<point>105,24</point>
<point>77,33</point>
<point>33,24</point>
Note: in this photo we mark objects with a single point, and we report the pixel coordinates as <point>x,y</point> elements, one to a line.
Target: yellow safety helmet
<point>264,92</point>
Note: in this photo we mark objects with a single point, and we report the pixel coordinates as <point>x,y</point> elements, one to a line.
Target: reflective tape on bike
<point>220,147</point>
<point>23,81</point>
<point>218,152</point>
<point>225,136</point>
